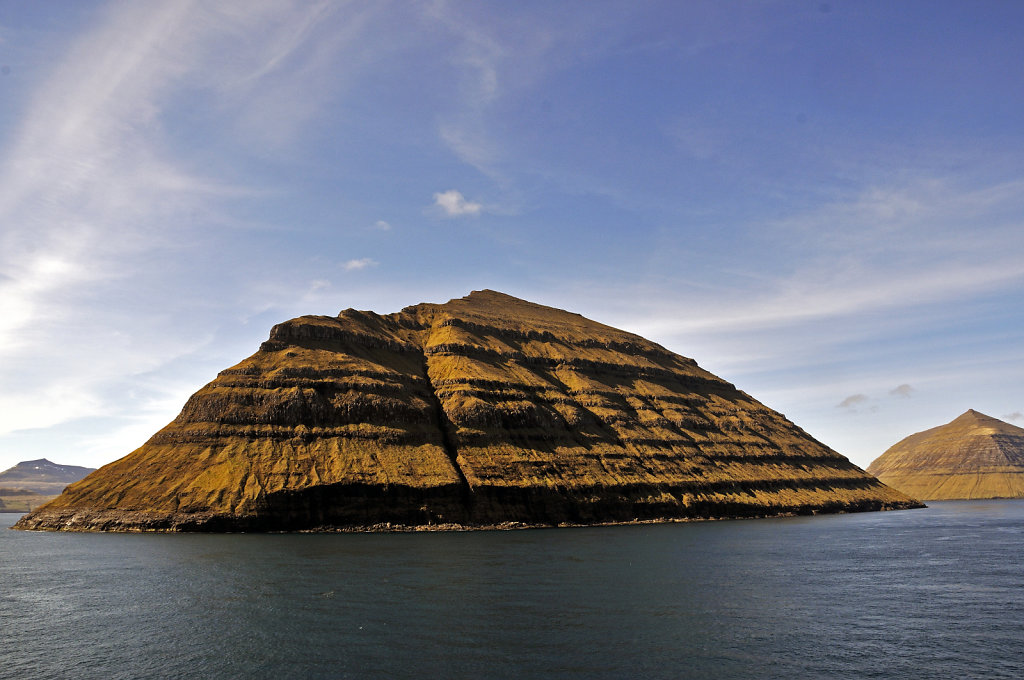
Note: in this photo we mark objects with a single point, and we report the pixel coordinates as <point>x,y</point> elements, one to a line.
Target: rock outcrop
<point>974,456</point>
<point>484,411</point>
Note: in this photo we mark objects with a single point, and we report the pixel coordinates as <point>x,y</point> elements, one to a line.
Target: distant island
<point>32,483</point>
<point>486,411</point>
<point>974,456</point>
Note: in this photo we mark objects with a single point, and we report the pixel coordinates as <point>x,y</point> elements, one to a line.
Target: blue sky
<point>820,202</point>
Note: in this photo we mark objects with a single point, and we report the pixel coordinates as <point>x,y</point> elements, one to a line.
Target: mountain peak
<point>41,477</point>
<point>971,414</point>
<point>972,456</point>
<point>482,411</point>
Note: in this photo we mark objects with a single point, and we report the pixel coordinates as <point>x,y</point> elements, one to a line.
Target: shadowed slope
<point>973,456</point>
<point>482,411</point>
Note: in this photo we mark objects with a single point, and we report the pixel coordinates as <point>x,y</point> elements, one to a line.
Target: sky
<point>821,202</point>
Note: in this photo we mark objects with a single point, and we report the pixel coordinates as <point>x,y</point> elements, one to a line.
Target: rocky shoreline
<point>141,522</point>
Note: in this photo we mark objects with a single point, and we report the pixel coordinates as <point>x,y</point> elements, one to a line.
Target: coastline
<point>118,522</point>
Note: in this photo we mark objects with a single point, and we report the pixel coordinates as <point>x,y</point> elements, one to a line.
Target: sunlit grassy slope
<point>974,456</point>
<point>481,411</point>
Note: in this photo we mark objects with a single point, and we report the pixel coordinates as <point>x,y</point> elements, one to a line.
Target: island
<point>486,411</point>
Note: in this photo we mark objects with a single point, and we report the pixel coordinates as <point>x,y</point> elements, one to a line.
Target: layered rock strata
<point>484,411</point>
<point>974,456</point>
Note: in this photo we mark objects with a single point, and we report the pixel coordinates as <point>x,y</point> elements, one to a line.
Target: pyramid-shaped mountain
<point>484,411</point>
<point>974,456</point>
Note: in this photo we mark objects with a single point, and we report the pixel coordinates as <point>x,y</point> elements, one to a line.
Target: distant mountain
<point>974,456</point>
<point>31,483</point>
<point>483,411</point>
<point>42,476</point>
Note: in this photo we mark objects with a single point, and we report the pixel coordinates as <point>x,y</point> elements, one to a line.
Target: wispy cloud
<point>471,143</point>
<point>381,225</point>
<point>903,390</point>
<point>478,56</point>
<point>923,217</point>
<point>1016,415</point>
<point>95,189</point>
<point>494,61</point>
<point>90,180</point>
<point>877,251</point>
<point>454,204</point>
<point>852,400</point>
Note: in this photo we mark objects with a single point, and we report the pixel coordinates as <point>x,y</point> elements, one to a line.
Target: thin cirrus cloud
<point>454,204</point>
<point>479,56</point>
<point>877,250</point>
<point>92,187</point>
<point>90,179</point>
<point>497,63</point>
<point>81,186</point>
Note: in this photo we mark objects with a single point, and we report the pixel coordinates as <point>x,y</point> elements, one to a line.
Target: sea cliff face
<point>484,411</point>
<point>972,457</point>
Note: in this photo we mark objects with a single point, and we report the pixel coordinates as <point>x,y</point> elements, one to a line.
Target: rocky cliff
<point>974,456</point>
<point>487,410</point>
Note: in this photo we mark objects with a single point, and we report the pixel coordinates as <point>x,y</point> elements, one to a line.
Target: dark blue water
<point>935,593</point>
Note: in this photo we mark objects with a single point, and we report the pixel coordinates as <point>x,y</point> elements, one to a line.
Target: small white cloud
<point>381,225</point>
<point>319,284</point>
<point>903,390</point>
<point>455,204</point>
<point>361,263</point>
<point>852,401</point>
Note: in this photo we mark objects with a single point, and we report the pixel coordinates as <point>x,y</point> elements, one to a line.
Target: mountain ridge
<point>31,483</point>
<point>483,411</point>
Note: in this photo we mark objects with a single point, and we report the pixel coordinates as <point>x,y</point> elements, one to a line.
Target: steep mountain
<point>31,483</point>
<point>487,410</point>
<point>973,456</point>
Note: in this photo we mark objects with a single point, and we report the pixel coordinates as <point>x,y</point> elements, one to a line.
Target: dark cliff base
<point>401,508</point>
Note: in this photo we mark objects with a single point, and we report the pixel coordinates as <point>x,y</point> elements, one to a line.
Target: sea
<point>929,593</point>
